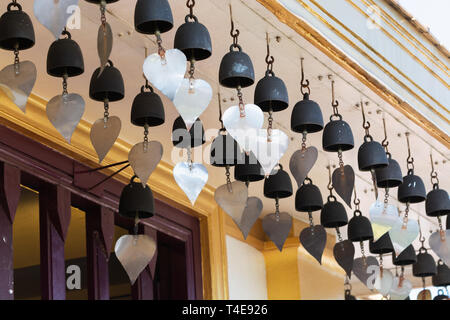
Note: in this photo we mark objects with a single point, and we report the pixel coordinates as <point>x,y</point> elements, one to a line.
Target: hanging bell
<point>225,151</point>
<point>359,228</point>
<point>181,137</point>
<point>250,170</point>
<point>308,198</point>
<point>333,214</point>
<point>442,277</point>
<point>136,200</point>
<point>337,136</point>
<point>193,39</point>
<point>65,58</point>
<point>406,257</point>
<point>390,176</point>
<point>306,116</point>
<point>107,85</point>
<point>278,185</point>
<point>153,16</point>
<point>371,155</point>
<point>271,93</point>
<point>412,189</point>
<point>425,265</point>
<point>382,246</point>
<point>437,203</point>
<point>147,109</point>
<point>17,32</point>
<point>236,69</point>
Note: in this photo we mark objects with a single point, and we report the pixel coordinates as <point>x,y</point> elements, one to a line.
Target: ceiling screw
<point>278,39</point>
<point>320,78</point>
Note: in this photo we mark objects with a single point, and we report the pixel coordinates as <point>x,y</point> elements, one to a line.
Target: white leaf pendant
<point>383,217</point>
<point>191,178</point>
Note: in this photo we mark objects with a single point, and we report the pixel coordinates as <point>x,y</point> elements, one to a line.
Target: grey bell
<point>153,16</point>
<point>382,246</point>
<point>136,200</point>
<point>359,229</point>
<point>412,189</point>
<point>236,69</point>
<point>425,265</point>
<point>271,94</point>
<point>17,32</point>
<point>308,198</point>
<point>306,116</point>
<point>250,170</point>
<point>437,203</point>
<point>147,109</point>
<point>337,136</point>
<point>181,138</point>
<point>225,151</point>
<point>107,85</point>
<point>406,257</point>
<point>442,277</point>
<point>65,58</point>
<point>193,39</point>
<point>333,214</point>
<point>371,155</point>
<point>390,176</point>
<point>278,185</point>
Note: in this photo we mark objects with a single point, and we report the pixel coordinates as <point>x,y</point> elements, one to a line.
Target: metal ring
<point>235,46</point>
<point>336,115</point>
<point>14,4</point>
<point>186,19</point>
<point>368,138</point>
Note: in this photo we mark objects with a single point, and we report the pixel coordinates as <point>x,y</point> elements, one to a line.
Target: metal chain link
<point>146,137</point>
<point>339,235</point>
<point>405,217</point>
<point>16,61</point>
<point>106,112</point>
<point>363,252</point>
<point>228,174</point>
<point>277,209</point>
<point>65,92</point>
<point>161,50</point>
<point>269,127</point>
<point>241,102</point>
<point>191,75</point>
<point>340,157</point>
<point>304,134</point>
<point>103,14</point>
<point>189,160</point>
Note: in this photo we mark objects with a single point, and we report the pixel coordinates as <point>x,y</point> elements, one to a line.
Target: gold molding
<point>34,124</point>
<point>310,34</point>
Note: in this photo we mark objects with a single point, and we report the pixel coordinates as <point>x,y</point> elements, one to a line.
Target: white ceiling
<point>253,20</point>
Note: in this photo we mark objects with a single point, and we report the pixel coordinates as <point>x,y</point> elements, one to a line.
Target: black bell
<point>250,170</point>
<point>333,214</point>
<point>349,296</point>
<point>181,137</point>
<point>306,116</point>
<point>442,277</point>
<point>236,69</point>
<point>65,57</point>
<point>151,16</point>
<point>337,135</point>
<point>406,257</point>
<point>194,40</point>
<point>147,109</point>
<point>308,198</point>
<point>441,296</point>
<point>425,265</point>
<point>278,185</point>
<point>225,151</point>
<point>107,85</point>
<point>382,246</point>
<point>359,229</point>
<point>136,200</point>
<point>412,189</point>
<point>437,203</point>
<point>271,93</point>
<point>17,32</point>
<point>371,155</point>
<point>390,176</point>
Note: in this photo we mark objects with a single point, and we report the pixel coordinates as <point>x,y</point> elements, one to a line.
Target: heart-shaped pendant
<point>135,253</point>
<point>383,218</point>
<point>439,243</point>
<point>232,199</point>
<point>144,158</point>
<point>402,236</point>
<point>104,135</point>
<point>301,163</point>
<point>344,253</point>
<point>54,14</point>
<point>104,45</point>
<point>191,178</point>
<point>314,240</point>
<point>344,182</point>
<point>17,82</point>
<point>268,152</point>
<point>277,228</point>
<point>251,214</point>
<point>365,269</point>
<point>65,112</point>
<point>401,288</point>
<point>243,129</point>
<point>166,74</point>
<point>383,282</point>
<point>191,99</point>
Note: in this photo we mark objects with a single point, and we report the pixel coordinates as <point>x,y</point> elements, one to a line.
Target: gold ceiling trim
<point>310,34</point>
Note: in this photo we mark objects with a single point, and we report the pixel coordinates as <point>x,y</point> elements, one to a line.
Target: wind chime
<point>17,80</point>
<point>338,137</point>
<point>333,215</point>
<point>438,205</point>
<point>65,60</point>
<point>306,118</point>
<point>383,215</point>
<point>401,286</point>
<point>412,190</point>
<point>442,277</point>
<point>106,86</point>
<point>278,225</point>
<point>385,279</point>
<point>424,267</point>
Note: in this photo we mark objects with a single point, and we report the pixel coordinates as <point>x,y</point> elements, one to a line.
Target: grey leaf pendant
<point>344,182</point>
<point>344,253</point>
<point>104,135</point>
<point>144,158</point>
<point>232,199</point>
<point>251,214</point>
<point>440,244</point>
<point>301,163</point>
<point>277,228</point>
<point>53,14</point>
<point>314,240</point>
<point>364,269</point>
<point>104,45</point>
<point>65,112</point>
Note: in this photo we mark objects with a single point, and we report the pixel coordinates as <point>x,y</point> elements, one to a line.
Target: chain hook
<point>410,159</point>
<point>334,102</point>
<point>269,58</point>
<point>220,111</point>
<point>385,142</point>
<point>366,124</point>
<point>190,4</point>
<point>433,174</point>
<point>304,84</point>
<point>234,32</point>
